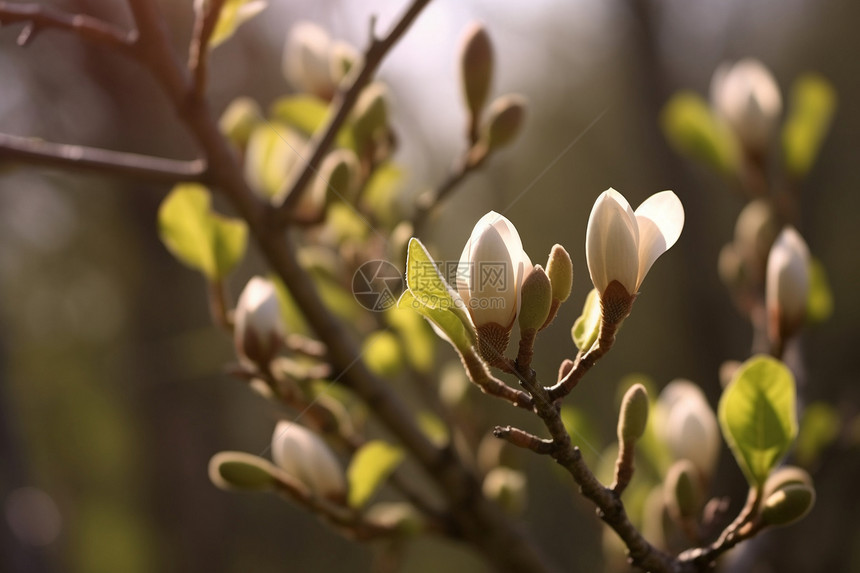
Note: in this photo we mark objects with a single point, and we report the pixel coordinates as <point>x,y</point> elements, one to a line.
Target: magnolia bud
<point>747,97</point>
<point>536,300</point>
<point>688,425</point>
<point>788,504</point>
<point>395,515</point>
<point>507,487</point>
<point>306,60</point>
<point>342,58</point>
<point>258,327</point>
<point>755,231</point>
<point>634,414</point>
<point>683,491</point>
<point>559,268</point>
<point>305,456</point>
<point>239,120</point>
<point>476,66</point>
<point>504,121</point>
<point>370,115</point>
<point>787,285</point>
<point>240,471</point>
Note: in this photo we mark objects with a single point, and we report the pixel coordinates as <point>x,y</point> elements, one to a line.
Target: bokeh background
<point>113,395</point>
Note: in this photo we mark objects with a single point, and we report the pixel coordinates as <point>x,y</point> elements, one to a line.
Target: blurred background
<point>113,395</point>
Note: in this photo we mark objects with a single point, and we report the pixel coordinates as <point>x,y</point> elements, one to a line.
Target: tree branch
<point>131,165</point>
<point>37,17</point>
<point>343,103</point>
<point>428,202</point>
<point>204,25</point>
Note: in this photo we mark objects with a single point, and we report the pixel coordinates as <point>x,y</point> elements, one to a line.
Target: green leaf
<point>587,327</point>
<point>290,312</point>
<point>757,416</point>
<point>434,428</point>
<point>305,113</point>
<point>382,193</point>
<point>242,472</point>
<point>273,149</point>
<point>813,103</point>
<point>819,427</point>
<point>234,13</point>
<point>382,353</point>
<point>203,240</point>
<point>819,306</point>
<point>370,467</point>
<point>448,325</point>
<point>694,130</point>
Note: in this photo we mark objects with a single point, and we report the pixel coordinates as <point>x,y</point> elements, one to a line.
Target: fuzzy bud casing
<point>504,121</point>
<point>559,268</point>
<point>634,414</point>
<point>536,300</point>
<point>476,67</point>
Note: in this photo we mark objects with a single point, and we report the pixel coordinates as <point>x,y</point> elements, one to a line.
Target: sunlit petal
<point>660,220</point>
<point>611,242</point>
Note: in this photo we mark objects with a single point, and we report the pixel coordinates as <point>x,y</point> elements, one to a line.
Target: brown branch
<point>480,375</point>
<point>37,17</point>
<point>205,21</point>
<point>343,103</point>
<point>130,165</point>
<point>429,201</point>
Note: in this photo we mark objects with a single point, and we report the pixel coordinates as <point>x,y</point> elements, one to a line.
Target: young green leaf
<point>587,326</point>
<point>445,322</point>
<point>203,240</point>
<point>692,129</point>
<point>419,343</point>
<point>273,149</point>
<point>757,416</point>
<point>383,353</point>
<point>234,13</point>
<point>370,467</point>
<point>813,103</point>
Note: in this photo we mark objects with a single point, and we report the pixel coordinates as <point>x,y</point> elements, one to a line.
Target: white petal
<point>492,280</point>
<point>611,242</point>
<point>787,283</point>
<point>747,96</point>
<point>306,457</point>
<point>660,219</point>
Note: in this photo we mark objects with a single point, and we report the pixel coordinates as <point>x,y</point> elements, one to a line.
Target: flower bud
<point>755,231</point>
<point>621,245</point>
<point>258,327</point>
<point>336,176</point>
<point>342,58</point>
<point>785,476</point>
<point>239,120</point>
<point>536,300</point>
<point>634,414</point>
<point>241,472</point>
<point>306,60</point>
<point>559,268</point>
<point>504,121</point>
<point>476,66</point>
<point>788,504</point>
<point>305,456</point>
<point>370,116</point>
<point>688,426</point>
<point>683,490</point>
<point>787,285</point>
<point>507,487</point>
<point>747,97</point>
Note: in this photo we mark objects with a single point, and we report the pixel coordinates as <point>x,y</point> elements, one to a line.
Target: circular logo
<point>376,285</point>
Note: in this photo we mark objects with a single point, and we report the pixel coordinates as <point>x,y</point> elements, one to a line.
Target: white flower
<point>307,57</point>
<point>306,457</point>
<point>747,97</point>
<point>491,272</point>
<point>258,328</point>
<point>621,245</point>
<point>787,284</point>
<point>688,426</point>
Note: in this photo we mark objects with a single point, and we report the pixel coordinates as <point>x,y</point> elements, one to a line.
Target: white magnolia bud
<point>491,272</point>
<point>305,456</point>
<point>688,426</point>
<point>621,245</point>
<point>787,284</point>
<point>307,60</point>
<point>747,97</point>
<point>258,326</point>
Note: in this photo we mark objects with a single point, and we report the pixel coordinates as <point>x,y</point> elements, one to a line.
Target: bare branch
<point>428,202</point>
<point>131,165</point>
<point>37,18</point>
<point>205,22</point>
<point>343,103</point>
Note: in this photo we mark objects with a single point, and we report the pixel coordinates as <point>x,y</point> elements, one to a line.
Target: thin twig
<point>91,29</point>
<point>130,165</point>
<point>430,201</point>
<point>206,19</point>
<point>343,103</point>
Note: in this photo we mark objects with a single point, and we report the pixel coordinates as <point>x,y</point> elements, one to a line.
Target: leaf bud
<point>305,456</point>
<point>536,300</point>
<point>634,414</point>
<point>788,504</point>
<point>559,268</point>
<point>504,121</point>
<point>239,471</point>
<point>683,490</point>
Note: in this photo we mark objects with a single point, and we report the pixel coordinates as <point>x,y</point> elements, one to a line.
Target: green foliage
<point>198,237</point>
<point>419,344</point>
<point>432,297</point>
<point>434,428</point>
<point>290,312</point>
<point>382,353</point>
<point>370,467</point>
<point>757,416</point>
<point>819,427</point>
<point>587,327</point>
<point>693,129</point>
<point>234,13</point>
<point>273,149</point>
<point>813,103</point>
<point>304,112</point>
<point>819,305</point>
<point>382,193</point>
